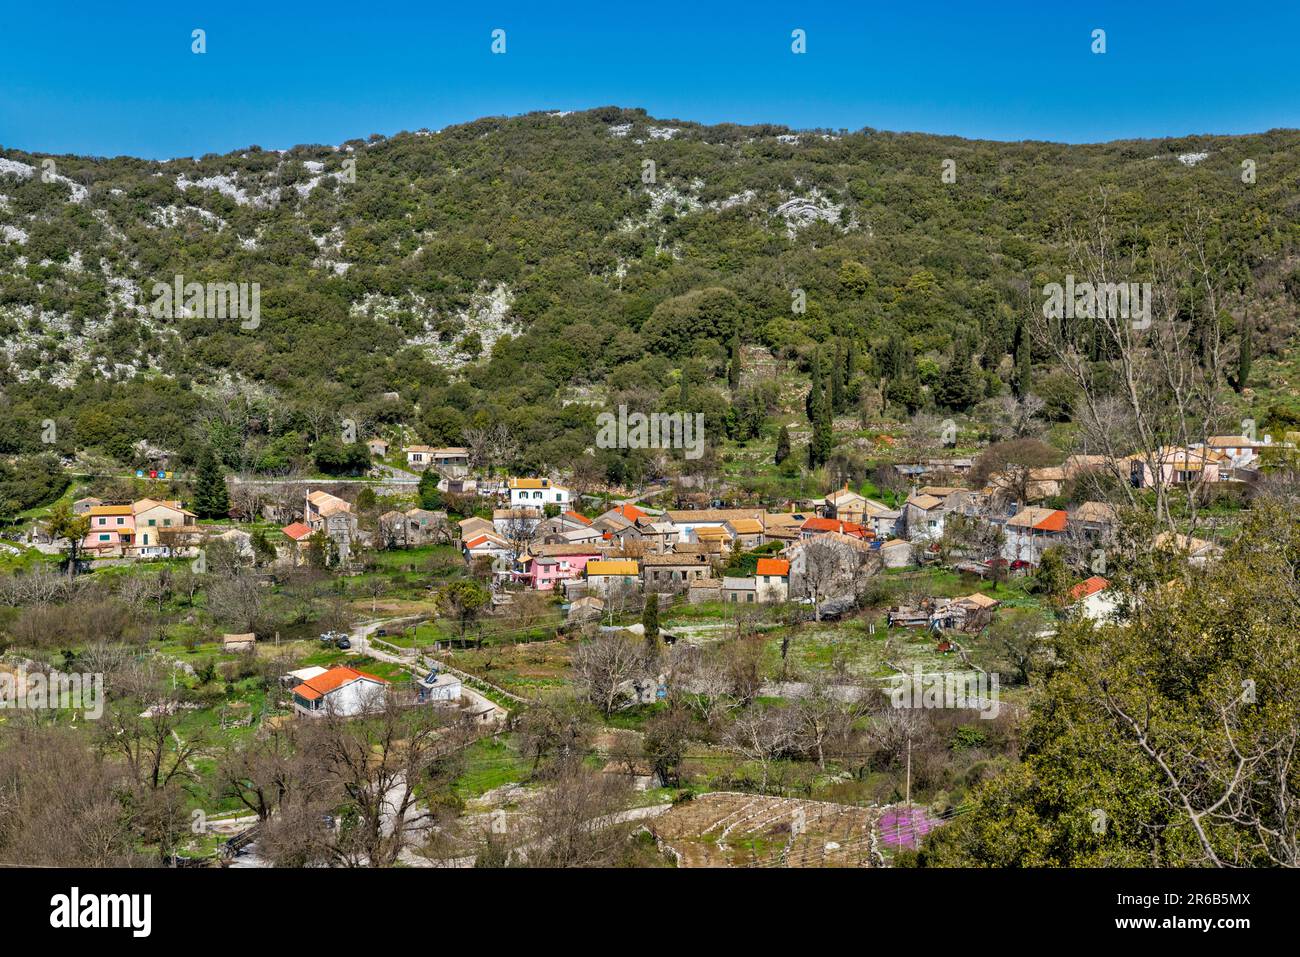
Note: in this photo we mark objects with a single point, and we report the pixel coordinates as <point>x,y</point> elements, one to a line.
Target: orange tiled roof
<point>1088,587</point>
<point>332,680</point>
<point>772,566</point>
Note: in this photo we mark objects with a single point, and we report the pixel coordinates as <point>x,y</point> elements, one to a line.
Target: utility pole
<point>907,799</point>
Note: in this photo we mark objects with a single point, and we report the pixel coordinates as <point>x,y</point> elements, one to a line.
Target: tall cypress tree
<point>782,445</point>
<point>733,369</point>
<point>839,384</point>
<point>815,386</point>
<point>1020,377</point>
<point>1244,357</point>
<point>819,417</point>
<point>211,500</point>
<point>650,622</point>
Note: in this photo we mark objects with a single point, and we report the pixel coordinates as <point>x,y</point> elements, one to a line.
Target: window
<point>120,520</point>
<point>153,522</point>
<point>104,538</point>
<point>166,521</point>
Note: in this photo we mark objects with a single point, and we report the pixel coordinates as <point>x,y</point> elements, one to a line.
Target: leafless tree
<point>51,784</point>
<point>369,775</point>
<point>491,447</point>
<point>1144,387</point>
<point>605,666</point>
<point>239,601</point>
<point>575,821</point>
<point>761,735</point>
<point>822,713</point>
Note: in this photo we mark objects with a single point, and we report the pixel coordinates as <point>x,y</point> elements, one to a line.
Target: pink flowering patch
<point>905,827</point>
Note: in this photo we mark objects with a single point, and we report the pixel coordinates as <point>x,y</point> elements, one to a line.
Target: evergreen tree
<point>733,368</point>
<point>1020,377</point>
<point>839,384</point>
<point>815,386</point>
<point>650,622</point>
<point>960,387</point>
<point>782,445</point>
<point>823,438</point>
<point>1244,356</point>
<point>684,390</point>
<point>211,500</point>
<point>820,418</point>
<point>427,491</point>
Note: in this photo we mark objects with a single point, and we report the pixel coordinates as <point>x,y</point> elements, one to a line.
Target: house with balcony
<point>342,691</point>
<point>536,493</point>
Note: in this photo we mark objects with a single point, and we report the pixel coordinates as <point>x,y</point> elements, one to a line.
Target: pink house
<point>552,564</point>
<point>112,530</point>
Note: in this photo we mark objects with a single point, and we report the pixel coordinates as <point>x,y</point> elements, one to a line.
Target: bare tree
<point>1149,384</point>
<point>604,668</point>
<point>575,821</point>
<point>761,735</point>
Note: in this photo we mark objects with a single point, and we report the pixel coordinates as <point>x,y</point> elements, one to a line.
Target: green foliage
<point>211,499</point>
<point>427,491</point>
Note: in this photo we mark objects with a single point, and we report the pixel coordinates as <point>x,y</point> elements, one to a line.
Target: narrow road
<point>361,642</point>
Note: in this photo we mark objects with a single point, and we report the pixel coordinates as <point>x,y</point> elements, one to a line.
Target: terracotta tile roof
<point>297,531</point>
<point>332,680</point>
<point>1088,587</point>
<point>1102,512</point>
<point>1040,519</point>
<point>772,566</point>
<point>835,525</point>
<point>577,517</point>
<point>630,512</point>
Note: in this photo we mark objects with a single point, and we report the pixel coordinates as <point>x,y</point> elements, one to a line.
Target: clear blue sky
<point>119,78</point>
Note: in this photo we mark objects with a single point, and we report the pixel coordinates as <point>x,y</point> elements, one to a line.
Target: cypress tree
<point>839,384</point>
<point>1244,356</point>
<point>211,500</point>
<point>782,445</point>
<point>650,622</point>
<point>733,369</point>
<point>815,387</point>
<point>1020,378</point>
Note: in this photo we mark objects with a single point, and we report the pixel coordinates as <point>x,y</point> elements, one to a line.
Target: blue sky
<point>119,78</point>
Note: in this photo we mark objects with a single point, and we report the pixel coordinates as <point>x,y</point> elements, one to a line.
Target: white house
<point>439,687</point>
<point>340,691</point>
<point>1094,599</point>
<point>772,576</point>
<point>1031,531</point>
<point>536,492</point>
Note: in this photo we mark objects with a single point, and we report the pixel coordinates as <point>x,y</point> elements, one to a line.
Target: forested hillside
<point>497,271</point>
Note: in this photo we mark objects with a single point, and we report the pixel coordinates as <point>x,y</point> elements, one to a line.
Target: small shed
<point>235,644</point>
